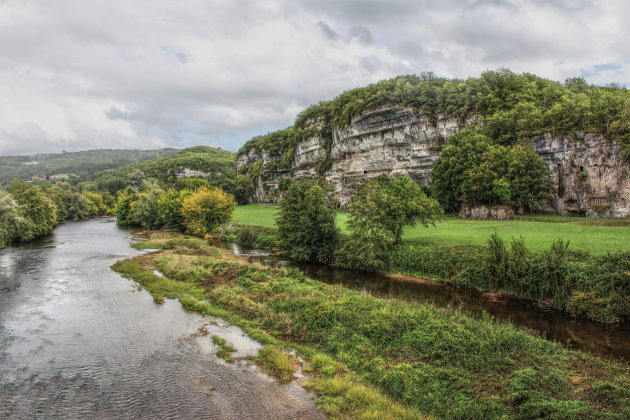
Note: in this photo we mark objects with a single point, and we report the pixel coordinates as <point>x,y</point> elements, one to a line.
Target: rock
<point>588,175</point>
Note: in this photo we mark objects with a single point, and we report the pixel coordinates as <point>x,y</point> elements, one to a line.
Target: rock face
<point>487,212</point>
<point>588,174</point>
<point>589,177</point>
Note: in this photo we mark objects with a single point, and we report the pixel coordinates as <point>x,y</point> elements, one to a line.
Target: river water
<point>79,341</point>
<point>611,341</point>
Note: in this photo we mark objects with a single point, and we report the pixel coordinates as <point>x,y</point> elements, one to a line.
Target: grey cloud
<point>114,113</point>
<point>328,31</point>
<point>142,74</point>
<point>363,35</point>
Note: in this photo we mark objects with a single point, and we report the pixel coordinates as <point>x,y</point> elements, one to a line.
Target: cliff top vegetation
<point>505,106</point>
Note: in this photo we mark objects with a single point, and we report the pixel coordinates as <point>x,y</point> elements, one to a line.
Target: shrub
<point>206,209</point>
<point>594,287</point>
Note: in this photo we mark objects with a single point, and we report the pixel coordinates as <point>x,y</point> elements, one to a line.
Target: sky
<point>86,74</point>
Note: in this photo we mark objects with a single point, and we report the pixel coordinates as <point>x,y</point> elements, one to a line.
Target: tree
<point>39,212</point>
<point>191,184</point>
<point>380,210</point>
<point>487,182</point>
<point>450,172</point>
<point>528,175</point>
<point>473,170</point>
<point>95,202</point>
<point>11,220</point>
<point>306,223</point>
<point>392,204</point>
<point>70,204</point>
<point>125,206</point>
<point>170,208</point>
<point>135,179</point>
<point>146,210</point>
<point>206,209</point>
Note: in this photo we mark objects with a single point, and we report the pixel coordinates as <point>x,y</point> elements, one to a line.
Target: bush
<point>206,209</point>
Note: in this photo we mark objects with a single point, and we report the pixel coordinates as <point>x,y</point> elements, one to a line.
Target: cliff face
<point>588,175</point>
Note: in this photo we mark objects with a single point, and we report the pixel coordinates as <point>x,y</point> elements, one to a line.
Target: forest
<point>72,166</point>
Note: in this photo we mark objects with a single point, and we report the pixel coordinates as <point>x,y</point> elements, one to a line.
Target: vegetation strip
<point>440,362</point>
<point>594,287</point>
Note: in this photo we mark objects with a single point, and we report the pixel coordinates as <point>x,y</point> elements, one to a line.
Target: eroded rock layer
<point>588,175</point>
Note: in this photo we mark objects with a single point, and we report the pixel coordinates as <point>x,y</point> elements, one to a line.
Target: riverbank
<point>584,286</point>
<point>440,362</point>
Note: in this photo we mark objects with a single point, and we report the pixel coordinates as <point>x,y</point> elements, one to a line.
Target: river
<point>79,341</point>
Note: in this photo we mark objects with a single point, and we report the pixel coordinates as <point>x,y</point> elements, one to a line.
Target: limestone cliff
<point>588,175</point>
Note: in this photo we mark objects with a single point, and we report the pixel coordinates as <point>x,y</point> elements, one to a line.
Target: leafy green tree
<point>380,210</point>
<point>39,212</point>
<point>306,222</point>
<point>487,183</point>
<point>450,173</point>
<point>136,178</point>
<point>529,179</point>
<point>191,184</point>
<point>243,189</point>
<point>170,208</point>
<point>125,208</point>
<point>96,203</point>
<point>473,170</point>
<point>70,204</point>
<point>11,219</point>
<point>206,209</point>
<point>146,210</point>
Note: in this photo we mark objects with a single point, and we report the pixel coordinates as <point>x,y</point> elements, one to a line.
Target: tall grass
<point>594,287</point>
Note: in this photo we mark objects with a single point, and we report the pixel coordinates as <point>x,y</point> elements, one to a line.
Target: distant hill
<point>73,166</point>
<point>203,159</point>
<point>218,166</point>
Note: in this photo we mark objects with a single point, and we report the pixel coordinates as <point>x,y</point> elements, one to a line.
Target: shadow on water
<point>611,341</point>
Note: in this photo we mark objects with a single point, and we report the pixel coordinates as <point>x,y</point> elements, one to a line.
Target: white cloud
<point>78,74</point>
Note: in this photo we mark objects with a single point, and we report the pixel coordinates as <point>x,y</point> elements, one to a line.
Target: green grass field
<point>595,235</point>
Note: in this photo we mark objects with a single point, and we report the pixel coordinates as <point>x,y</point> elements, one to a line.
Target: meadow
<point>598,236</point>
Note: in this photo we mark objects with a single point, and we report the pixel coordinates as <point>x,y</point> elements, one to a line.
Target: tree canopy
<point>379,211</point>
<point>306,222</point>
<point>474,170</point>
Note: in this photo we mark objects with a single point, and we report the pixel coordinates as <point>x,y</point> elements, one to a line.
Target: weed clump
<point>225,350</point>
<point>275,362</point>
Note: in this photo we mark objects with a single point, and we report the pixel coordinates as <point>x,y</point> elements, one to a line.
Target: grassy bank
<point>597,236</point>
<point>196,273</point>
<point>595,287</point>
<point>372,356</point>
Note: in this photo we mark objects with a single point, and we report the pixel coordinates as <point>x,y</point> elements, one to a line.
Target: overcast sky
<point>84,74</point>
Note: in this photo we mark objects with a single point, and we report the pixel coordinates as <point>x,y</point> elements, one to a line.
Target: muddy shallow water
<point>79,341</point>
<point>612,341</point>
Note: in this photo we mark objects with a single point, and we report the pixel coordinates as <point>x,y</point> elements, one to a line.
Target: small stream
<point>611,341</point>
